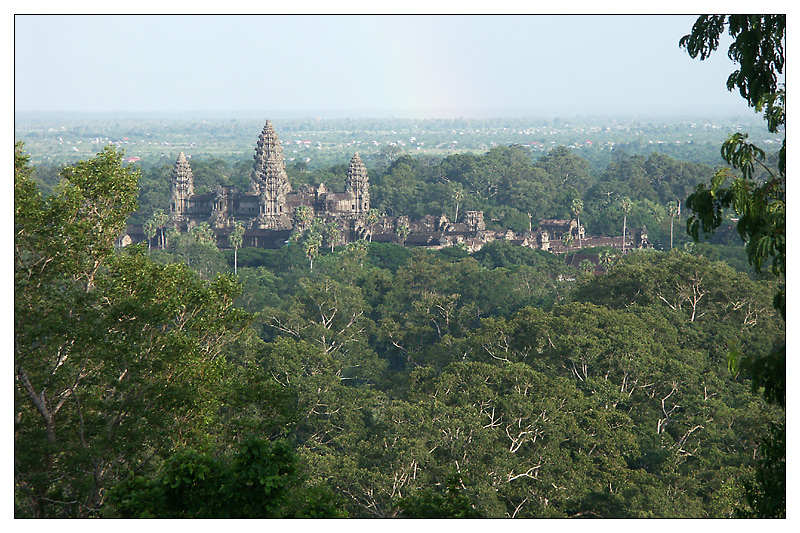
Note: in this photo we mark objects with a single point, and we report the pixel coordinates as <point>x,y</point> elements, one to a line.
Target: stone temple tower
<point>358,185</point>
<point>269,180</point>
<point>182,187</point>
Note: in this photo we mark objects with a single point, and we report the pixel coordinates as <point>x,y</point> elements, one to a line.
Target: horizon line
<point>375,114</point>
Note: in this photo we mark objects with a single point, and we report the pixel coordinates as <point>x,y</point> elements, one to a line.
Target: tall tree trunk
<point>624,231</point>
<point>671,221</point>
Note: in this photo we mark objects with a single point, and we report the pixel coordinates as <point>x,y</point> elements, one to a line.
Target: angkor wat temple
<point>267,212</point>
<point>267,209</point>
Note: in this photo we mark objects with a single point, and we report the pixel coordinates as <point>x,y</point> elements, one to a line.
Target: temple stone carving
<point>474,220</point>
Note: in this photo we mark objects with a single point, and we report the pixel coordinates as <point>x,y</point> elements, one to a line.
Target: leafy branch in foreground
<point>759,204</point>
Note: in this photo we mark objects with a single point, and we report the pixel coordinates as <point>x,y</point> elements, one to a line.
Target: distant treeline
<point>332,141</point>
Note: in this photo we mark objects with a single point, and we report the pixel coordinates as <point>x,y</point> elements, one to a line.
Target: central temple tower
<point>269,181</point>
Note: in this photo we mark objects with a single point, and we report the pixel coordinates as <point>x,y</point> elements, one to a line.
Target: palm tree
<point>567,239</point>
<point>311,247</point>
<point>402,232</point>
<point>149,231</point>
<point>236,240</point>
<point>203,234</point>
<point>302,216</point>
<point>672,210</point>
<point>626,208</point>
<point>607,259</point>
<point>357,251</point>
<point>160,219</point>
<point>332,233</point>
<point>577,209</point>
<point>373,216</point>
<point>458,195</point>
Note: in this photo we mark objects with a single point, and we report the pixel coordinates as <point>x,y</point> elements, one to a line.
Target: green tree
<point>586,266</point>
<point>672,211</point>
<point>373,216</point>
<point>607,259</point>
<point>765,492</point>
<point>236,240</point>
<point>332,233</point>
<point>390,152</point>
<point>402,232</point>
<point>566,168</point>
<point>303,216</point>
<point>311,246</point>
<point>567,239</point>
<point>323,311</point>
<point>60,244</point>
<point>198,250</point>
<point>758,51</point>
<point>627,176</point>
<point>203,234</point>
<point>440,502</point>
<point>577,209</point>
<point>160,219</point>
<point>626,205</point>
<point>262,480</point>
<point>458,197</point>
<point>356,251</point>
<point>150,231</point>
<point>116,358</point>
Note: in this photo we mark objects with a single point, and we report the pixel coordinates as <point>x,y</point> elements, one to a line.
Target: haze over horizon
<point>366,66</point>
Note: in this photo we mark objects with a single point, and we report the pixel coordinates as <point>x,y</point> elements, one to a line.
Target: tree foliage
<point>759,204</point>
<point>116,358</point>
<point>262,479</point>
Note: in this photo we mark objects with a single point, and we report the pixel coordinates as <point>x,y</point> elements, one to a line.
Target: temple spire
<point>357,185</point>
<point>269,179</point>
<point>181,187</point>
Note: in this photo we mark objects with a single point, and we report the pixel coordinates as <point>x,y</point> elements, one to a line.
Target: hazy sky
<point>337,65</point>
